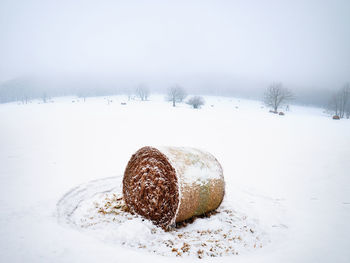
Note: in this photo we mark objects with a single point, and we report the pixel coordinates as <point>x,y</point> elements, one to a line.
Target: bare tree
<point>347,111</point>
<point>129,94</point>
<point>339,103</point>
<point>82,94</point>
<point>196,102</point>
<point>176,94</point>
<point>276,95</point>
<point>333,104</point>
<point>344,99</point>
<point>44,97</point>
<point>142,91</point>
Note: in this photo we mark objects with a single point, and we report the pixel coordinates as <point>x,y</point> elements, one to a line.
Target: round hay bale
<point>171,184</point>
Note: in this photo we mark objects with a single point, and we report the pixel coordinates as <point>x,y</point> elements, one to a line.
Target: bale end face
<point>150,186</point>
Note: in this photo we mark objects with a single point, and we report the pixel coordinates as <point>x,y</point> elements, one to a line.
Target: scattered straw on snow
<point>105,216</point>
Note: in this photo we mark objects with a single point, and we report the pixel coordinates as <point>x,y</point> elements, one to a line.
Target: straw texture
<point>172,184</point>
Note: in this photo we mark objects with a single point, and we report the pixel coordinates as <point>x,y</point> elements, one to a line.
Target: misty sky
<point>296,42</point>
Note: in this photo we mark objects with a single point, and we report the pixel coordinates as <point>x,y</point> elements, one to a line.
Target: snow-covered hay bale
<point>171,184</point>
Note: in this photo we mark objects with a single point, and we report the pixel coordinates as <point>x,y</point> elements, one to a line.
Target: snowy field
<point>287,180</point>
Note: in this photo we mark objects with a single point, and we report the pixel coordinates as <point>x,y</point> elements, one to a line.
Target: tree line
<point>275,95</point>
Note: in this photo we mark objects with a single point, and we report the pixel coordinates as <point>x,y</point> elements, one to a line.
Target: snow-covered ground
<point>289,176</point>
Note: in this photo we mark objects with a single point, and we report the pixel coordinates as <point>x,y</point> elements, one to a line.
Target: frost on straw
<point>168,185</point>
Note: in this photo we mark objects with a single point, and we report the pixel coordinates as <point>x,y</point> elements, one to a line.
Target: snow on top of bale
<point>197,166</point>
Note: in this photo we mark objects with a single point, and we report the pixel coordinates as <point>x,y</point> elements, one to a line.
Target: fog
<point>213,47</point>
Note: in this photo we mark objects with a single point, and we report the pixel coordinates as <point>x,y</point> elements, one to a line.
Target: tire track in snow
<point>71,201</point>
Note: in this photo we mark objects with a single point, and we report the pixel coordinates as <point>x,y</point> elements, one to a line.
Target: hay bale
<point>171,184</point>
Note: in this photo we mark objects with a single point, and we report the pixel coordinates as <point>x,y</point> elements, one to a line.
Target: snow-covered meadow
<point>289,176</point>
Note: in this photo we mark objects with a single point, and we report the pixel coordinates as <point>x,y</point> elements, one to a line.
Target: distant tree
<point>339,104</point>
<point>347,110</point>
<point>129,94</point>
<point>142,91</point>
<point>276,95</point>
<point>344,100</point>
<point>176,94</point>
<point>196,102</point>
<point>44,97</point>
<point>333,104</point>
<point>82,94</point>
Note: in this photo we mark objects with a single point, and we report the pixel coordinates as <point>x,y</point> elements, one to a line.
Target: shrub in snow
<point>281,113</point>
<point>196,102</point>
<point>336,117</point>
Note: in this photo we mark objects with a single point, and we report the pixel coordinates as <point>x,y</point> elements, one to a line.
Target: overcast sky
<point>303,43</point>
